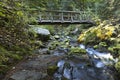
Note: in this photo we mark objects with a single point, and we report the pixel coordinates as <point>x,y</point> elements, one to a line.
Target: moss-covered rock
<point>40,33</point>
<point>96,46</point>
<point>51,70</point>
<point>100,45</point>
<point>76,51</point>
<point>35,44</point>
<point>115,49</point>
<point>53,45</point>
<point>117,66</point>
<point>103,44</point>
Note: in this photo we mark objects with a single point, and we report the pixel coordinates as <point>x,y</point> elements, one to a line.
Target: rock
<point>77,51</point>
<point>57,37</point>
<point>27,75</point>
<point>43,51</point>
<point>75,31</point>
<point>51,70</point>
<point>43,34</point>
<point>35,68</point>
<point>42,31</point>
<point>71,70</point>
<point>1,76</point>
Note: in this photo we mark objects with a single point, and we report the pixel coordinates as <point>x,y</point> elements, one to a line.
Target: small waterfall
<point>69,69</point>
<point>99,59</point>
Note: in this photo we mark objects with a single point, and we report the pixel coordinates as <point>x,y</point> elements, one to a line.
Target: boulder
<point>42,34</point>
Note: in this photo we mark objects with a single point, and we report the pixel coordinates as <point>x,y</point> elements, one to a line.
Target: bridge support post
<point>62,18</point>
<point>71,17</point>
<point>40,16</point>
<point>51,17</point>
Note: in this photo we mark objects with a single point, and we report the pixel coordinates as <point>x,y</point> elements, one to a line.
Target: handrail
<point>53,16</point>
<point>61,11</point>
<point>57,11</point>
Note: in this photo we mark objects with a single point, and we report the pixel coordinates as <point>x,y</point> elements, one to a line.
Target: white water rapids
<point>71,70</point>
<point>99,59</point>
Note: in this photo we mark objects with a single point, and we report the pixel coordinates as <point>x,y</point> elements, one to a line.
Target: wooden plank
<point>67,22</point>
<point>59,11</point>
<point>56,16</point>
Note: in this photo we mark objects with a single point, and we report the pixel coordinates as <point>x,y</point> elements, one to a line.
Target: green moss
<point>96,46</point>
<point>3,55</point>
<point>51,70</point>
<point>111,49</point>
<point>117,66</point>
<point>102,44</point>
<point>4,68</point>
<point>76,51</point>
<point>54,44</point>
<point>10,58</point>
<point>35,44</point>
<point>114,48</point>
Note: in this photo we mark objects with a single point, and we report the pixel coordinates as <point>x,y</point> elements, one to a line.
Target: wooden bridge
<point>64,17</point>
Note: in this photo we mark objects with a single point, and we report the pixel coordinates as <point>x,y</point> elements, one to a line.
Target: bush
<point>14,39</point>
<point>101,32</point>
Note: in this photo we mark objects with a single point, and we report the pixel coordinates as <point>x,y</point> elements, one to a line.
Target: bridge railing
<point>56,16</point>
<point>63,16</point>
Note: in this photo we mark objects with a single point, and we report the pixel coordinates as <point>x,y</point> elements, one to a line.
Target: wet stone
<point>27,75</point>
<point>70,70</point>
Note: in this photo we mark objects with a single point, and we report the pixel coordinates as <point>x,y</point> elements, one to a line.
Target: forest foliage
<point>14,40</point>
<point>103,9</point>
<point>16,14</point>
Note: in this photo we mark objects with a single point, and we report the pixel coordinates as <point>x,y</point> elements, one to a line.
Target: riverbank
<point>62,46</point>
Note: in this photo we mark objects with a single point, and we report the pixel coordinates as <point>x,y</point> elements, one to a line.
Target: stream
<point>76,69</point>
<point>52,62</point>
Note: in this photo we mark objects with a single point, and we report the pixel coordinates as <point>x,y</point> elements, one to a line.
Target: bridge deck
<point>63,17</point>
<point>66,22</point>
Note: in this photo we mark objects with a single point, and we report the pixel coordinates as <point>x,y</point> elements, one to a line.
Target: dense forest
<point>30,50</point>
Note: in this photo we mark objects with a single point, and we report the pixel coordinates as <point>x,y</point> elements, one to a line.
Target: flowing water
<point>97,68</point>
